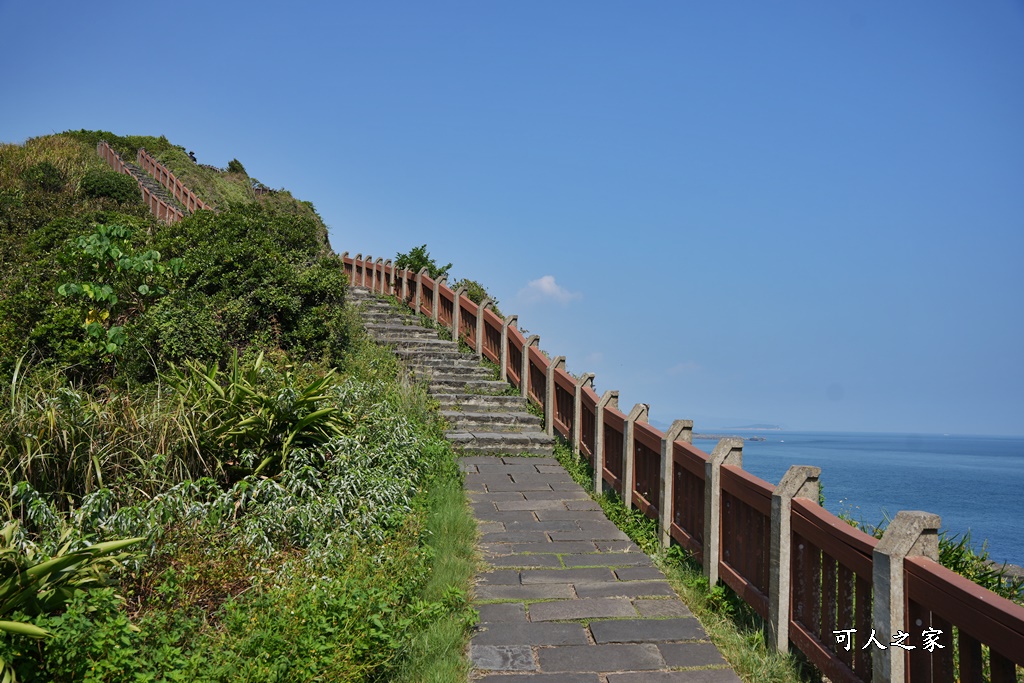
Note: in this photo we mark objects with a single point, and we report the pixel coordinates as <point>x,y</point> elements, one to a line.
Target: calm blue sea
<point>974,483</point>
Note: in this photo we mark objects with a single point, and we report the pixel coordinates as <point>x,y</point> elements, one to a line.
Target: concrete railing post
<point>524,370</point>
<point>378,281</point>
<point>729,451</point>
<point>912,532</point>
<point>610,399</point>
<point>419,286</point>
<point>436,308</point>
<point>585,380</point>
<point>457,313</point>
<point>800,481</point>
<point>681,430</point>
<point>368,263</point>
<point>503,356</point>
<point>389,283</point>
<point>405,286</point>
<point>549,394</point>
<point>357,262</point>
<point>480,326</point>
<point>638,414</point>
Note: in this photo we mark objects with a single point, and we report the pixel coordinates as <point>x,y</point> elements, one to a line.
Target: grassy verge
<point>436,654</point>
<point>731,624</point>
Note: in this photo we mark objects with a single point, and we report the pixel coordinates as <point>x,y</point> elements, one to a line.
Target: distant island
<point>757,427</point>
<point>729,436</point>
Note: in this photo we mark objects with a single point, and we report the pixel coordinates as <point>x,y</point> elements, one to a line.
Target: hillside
<point>202,389</point>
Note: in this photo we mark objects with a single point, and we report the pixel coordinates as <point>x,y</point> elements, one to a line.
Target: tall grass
<point>71,440</point>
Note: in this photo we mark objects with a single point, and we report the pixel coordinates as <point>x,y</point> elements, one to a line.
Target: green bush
<point>267,276</point>
<point>127,145</point>
<point>235,166</point>
<point>117,186</point>
<point>476,293</point>
<point>419,258</point>
<point>43,176</point>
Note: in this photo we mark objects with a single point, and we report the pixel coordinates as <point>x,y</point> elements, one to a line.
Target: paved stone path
<point>569,599</point>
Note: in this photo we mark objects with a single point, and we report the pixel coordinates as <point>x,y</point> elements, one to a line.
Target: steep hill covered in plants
<point>203,388</point>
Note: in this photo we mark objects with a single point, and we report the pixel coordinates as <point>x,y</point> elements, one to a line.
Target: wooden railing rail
<point>809,574</point>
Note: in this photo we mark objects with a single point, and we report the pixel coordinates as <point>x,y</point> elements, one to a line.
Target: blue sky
<point>800,213</point>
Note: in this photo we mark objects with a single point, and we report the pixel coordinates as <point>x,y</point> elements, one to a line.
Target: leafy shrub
<point>127,146</point>
<point>117,186</point>
<point>268,275</point>
<point>124,283</point>
<point>418,258</point>
<point>93,640</point>
<point>43,176</point>
<point>476,292</point>
<point>235,166</point>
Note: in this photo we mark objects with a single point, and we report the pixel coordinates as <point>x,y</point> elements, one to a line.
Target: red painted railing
<point>831,565</point>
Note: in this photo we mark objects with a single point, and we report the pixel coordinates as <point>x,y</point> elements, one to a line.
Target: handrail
<point>766,537</point>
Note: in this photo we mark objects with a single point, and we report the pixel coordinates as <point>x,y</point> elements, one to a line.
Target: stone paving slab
<point>529,633</point>
<point>627,589</point>
<point>540,678</point>
<point>698,676</point>
<point>582,608</point>
<point>568,598</point>
<point>599,658</point>
<point>646,630</point>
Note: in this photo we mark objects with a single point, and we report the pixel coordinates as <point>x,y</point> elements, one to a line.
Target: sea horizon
<point>971,481</point>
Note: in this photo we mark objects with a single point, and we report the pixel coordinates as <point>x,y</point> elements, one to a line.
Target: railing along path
<point>860,609</point>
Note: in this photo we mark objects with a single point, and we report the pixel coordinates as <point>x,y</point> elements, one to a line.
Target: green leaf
<point>143,290</point>
<point>21,629</point>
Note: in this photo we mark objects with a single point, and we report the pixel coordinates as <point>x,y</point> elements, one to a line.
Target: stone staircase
<point>484,419</point>
<point>155,188</point>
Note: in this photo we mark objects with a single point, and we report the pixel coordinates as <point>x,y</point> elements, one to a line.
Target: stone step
<point>449,385</point>
<point>429,356</point>
<point>426,345</point>
<point>480,402</point>
<point>535,443</point>
<point>462,362</point>
<point>385,318</point>
<point>465,421</point>
<point>391,330</point>
<point>446,371</point>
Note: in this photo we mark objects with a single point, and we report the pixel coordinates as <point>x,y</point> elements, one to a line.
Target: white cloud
<point>546,289</point>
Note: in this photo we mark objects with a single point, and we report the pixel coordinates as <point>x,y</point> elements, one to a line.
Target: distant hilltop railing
<point>158,207</point>
<point>840,596</point>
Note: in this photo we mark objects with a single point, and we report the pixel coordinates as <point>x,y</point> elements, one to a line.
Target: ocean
<point>975,483</point>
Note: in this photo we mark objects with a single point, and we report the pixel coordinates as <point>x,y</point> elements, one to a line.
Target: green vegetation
<point>418,258</point>
<point>958,553</point>
<point>117,186</point>
<point>291,508</point>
